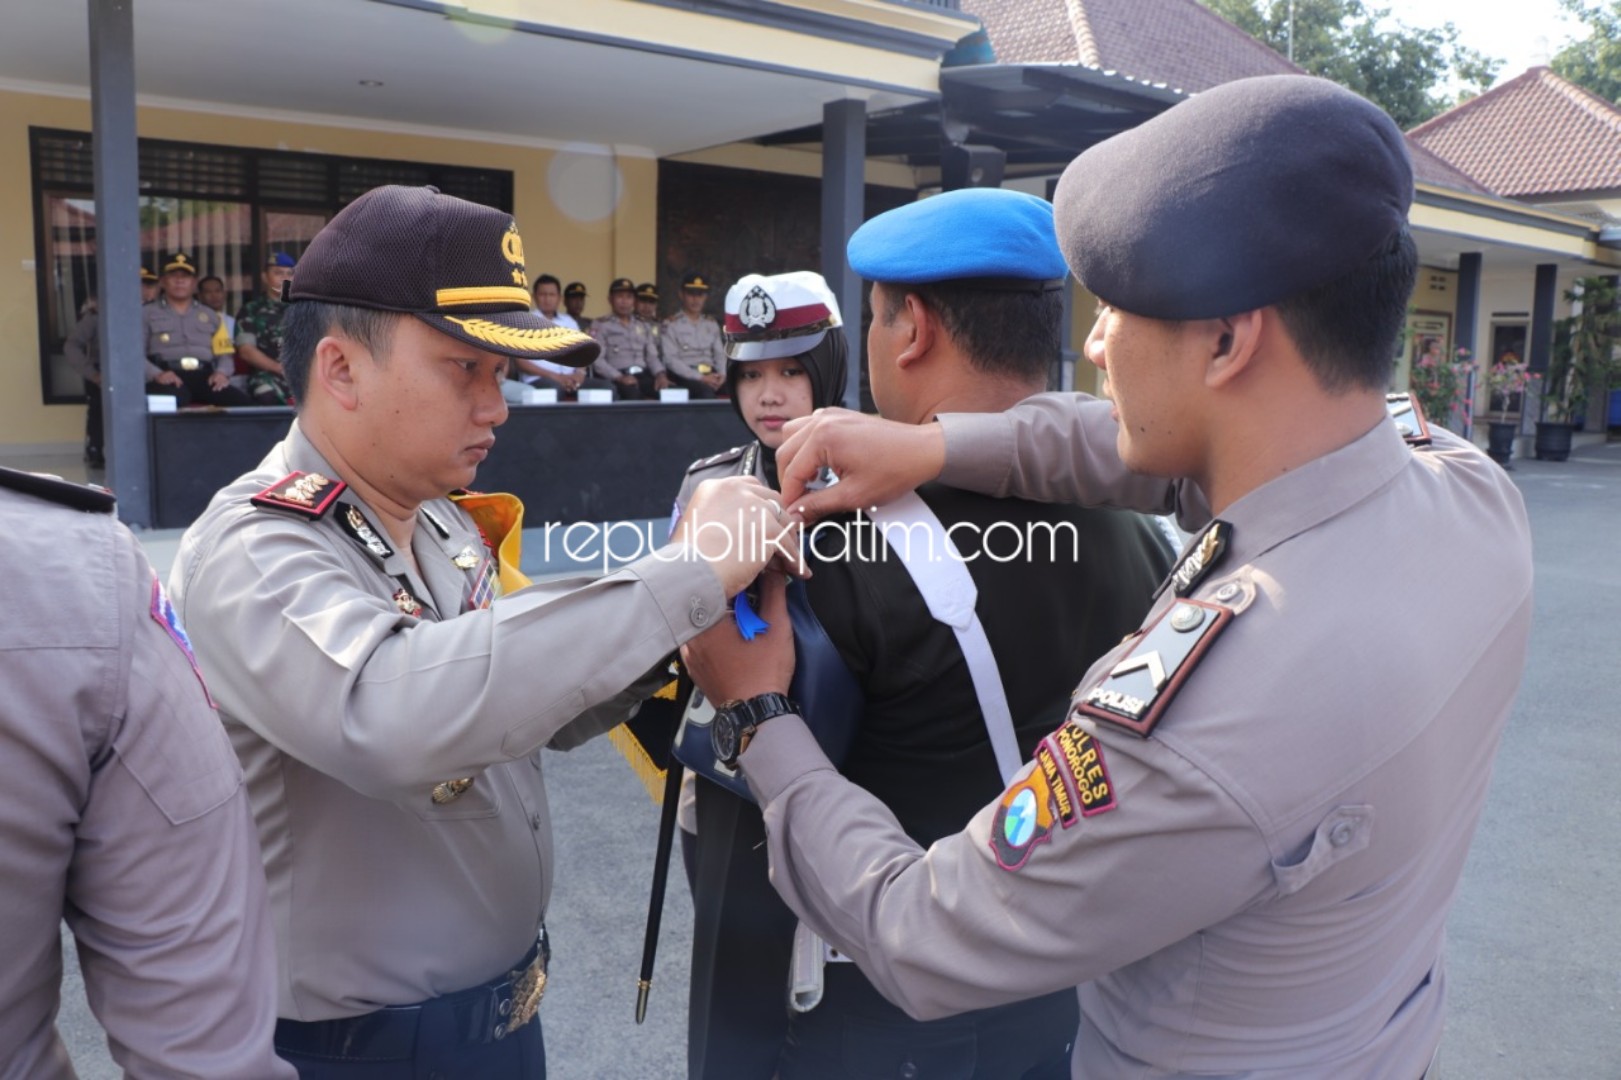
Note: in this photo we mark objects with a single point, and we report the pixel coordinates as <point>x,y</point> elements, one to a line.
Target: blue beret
<point>281,258</point>
<point>970,233</point>
<point>1237,198</point>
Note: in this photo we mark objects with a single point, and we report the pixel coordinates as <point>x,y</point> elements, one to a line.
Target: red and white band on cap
<point>768,317</point>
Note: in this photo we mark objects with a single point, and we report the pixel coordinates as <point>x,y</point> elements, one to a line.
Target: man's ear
<point>332,368</point>
<point>1234,342</point>
<point>924,327</point>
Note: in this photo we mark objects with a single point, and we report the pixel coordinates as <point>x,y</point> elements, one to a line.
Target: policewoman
<point>1242,843</point>
<point>370,639</point>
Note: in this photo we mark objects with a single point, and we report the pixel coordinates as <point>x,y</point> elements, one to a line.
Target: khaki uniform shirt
<point>122,811</point>
<point>686,343</point>
<point>199,331</point>
<point>347,711</point>
<point>625,345</point>
<point>1260,886</point>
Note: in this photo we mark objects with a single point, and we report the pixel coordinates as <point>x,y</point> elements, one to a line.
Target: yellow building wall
<point>585,215</point>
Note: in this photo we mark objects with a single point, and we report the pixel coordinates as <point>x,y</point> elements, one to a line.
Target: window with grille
<point>228,207</point>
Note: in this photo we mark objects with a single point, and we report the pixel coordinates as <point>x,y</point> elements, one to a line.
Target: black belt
<point>482,1014</point>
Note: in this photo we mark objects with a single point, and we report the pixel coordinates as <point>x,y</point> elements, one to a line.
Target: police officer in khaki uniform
<point>372,644</point>
<point>189,351</point>
<point>630,355</point>
<point>122,811</point>
<point>690,343</point>
<point>1243,841</point>
<point>574,305</point>
<point>83,353</point>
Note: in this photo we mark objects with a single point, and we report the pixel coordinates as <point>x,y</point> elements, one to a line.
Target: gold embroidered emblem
<point>552,339</point>
<point>512,245</point>
<point>450,790</point>
<point>466,558</point>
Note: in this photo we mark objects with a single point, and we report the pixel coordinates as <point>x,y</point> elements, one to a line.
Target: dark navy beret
<point>986,233</point>
<point>1237,198</point>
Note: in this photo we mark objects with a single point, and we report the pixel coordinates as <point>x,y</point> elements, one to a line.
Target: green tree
<point>1594,62</point>
<point>1400,67</point>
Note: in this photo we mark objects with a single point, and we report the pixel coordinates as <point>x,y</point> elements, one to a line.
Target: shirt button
<point>534,822</point>
<point>1341,834</point>
<point>909,1071</point>
<point>698,612</point>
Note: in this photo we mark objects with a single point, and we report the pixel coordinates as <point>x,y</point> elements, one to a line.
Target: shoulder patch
<point>164,614</point>
<point>306,494</point>
<point>718,459</point>
<point>1134,694</point>
<point>1405,410</point>
<point>54,489</point>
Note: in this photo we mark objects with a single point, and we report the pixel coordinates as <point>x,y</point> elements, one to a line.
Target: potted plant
<point>1438,383</point>
<point>1583,344</point>
<point>1508,377</point>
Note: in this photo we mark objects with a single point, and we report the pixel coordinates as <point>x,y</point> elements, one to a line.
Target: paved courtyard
<point>1535,950</point>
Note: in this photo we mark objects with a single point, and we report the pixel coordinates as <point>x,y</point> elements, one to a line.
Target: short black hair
<point>1012,333</point>
<point>1347,330</point>
<point>211,277</point>
<point>545,279</point>
<point>305,323</point>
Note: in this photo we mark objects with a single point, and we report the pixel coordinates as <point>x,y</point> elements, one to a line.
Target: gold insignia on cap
<point>512,245</point>
<point>552,339</point>
<point>481,294</point>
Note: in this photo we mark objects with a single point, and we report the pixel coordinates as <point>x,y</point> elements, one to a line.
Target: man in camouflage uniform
<point>258,334</point>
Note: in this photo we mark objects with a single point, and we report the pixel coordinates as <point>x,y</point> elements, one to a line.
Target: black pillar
<point>1540,346</point>
<point>118,255</point>
<point>844,174</point>
<point>1468,300</point>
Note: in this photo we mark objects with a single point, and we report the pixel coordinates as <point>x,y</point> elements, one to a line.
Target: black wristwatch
<point>735,723</point>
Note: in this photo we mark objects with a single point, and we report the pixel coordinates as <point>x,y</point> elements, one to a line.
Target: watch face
<point>723,738</point>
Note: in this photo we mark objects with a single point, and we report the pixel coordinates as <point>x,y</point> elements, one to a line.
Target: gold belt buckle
<point>190,363</point>
<point>527,991</point>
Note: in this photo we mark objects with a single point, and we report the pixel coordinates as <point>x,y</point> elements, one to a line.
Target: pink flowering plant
<point>1441,384</point>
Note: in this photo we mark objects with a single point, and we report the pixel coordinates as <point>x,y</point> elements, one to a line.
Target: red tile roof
<point>1180,43</point>
<point>1531,137</point>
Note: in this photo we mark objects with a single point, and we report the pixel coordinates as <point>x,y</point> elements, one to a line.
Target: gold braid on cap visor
<point>552,339</point>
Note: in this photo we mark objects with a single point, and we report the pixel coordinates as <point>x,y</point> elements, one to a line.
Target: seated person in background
<point>567,381</point>
<point>189,352</point>
<point>647,308</point>
<point>83,350</point>
<point>211,291</point>
<point>690,344</point>
<point>258,335</point>
<point>966,314</point>
<point>574,306</point>
<point>630,357</point>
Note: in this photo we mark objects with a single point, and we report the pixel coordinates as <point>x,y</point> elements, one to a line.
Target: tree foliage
<point>1404,69</point>
<point>1594,62</point>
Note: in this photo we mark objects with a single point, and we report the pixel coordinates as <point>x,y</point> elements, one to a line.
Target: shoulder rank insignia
<point>353,522</point>
<point>57,490</point>
<point>1136,691</point>
<point>1405,410</point>
<point>716,459</point>
<point>1204,552</point>
<point>307,494</point>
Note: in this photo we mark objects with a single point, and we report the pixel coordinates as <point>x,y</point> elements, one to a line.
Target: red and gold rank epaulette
<point>305,494</point>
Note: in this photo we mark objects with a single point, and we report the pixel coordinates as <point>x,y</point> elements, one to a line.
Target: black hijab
<point>825,364</point>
